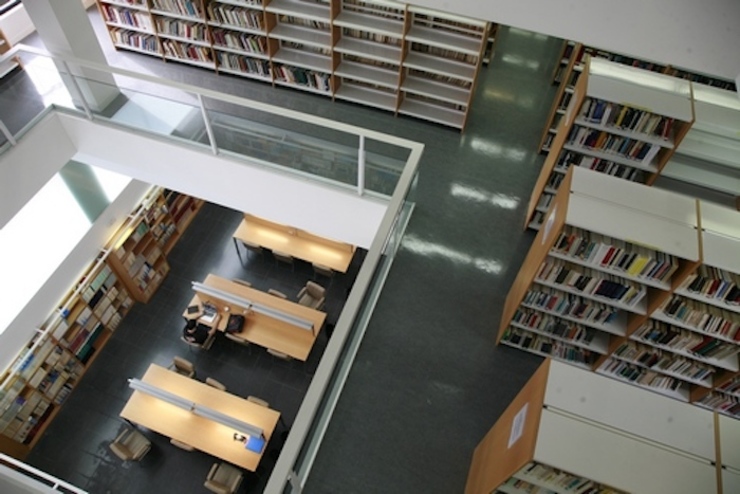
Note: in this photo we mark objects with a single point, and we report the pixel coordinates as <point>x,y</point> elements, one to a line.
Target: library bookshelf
<point>636,283</point>
<point>709,155</point>
<point>388,55</point>
<point>49,367</point>
<point>570,66</point>
<point>9,65</point>
<point>622,121</point>
<point>51,364</point>
<point>572,431</point>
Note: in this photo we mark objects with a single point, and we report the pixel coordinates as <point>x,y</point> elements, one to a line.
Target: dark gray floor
<point>428,381</point>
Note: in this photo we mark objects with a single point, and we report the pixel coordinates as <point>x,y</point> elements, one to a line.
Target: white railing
<point>32,478</point>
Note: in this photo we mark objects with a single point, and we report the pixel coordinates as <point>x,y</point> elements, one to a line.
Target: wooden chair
<point>278,354</point>
<point>215,384</point>
<point>321,270</point>
<point>277,293</point>
<point>312,295</point>
<point>241,282</point>
<point>130,445</point>
<point>258,401</point>
<point>182,366</point>
<point>236,339</point>
<point>252,249</point>
<point>282,257</point>
<point>181,445</point>
<point>223,478</point>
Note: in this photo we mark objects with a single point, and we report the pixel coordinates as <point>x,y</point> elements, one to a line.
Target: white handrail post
<point>7,133</point>
<point>84,104</point>
<point>209,129</point>
<point>361,166</point>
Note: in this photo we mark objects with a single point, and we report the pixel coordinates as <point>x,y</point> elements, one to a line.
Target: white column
<point>65,29</point>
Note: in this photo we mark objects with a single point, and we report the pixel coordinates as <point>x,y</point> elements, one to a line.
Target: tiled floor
<point>428,380</point>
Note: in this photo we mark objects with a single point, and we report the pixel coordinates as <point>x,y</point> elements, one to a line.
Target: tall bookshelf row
<point>574,432</point>
<point>636,283</point>
<point>571,65</point>
<point>388,55</point>
<point>51,364</point>
<point>621,121</point>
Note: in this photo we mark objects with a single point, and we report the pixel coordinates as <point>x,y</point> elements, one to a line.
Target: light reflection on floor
<point>431,249</point>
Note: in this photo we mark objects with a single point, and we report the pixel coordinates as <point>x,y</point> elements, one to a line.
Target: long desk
<point>261,329</point>
<point>297,243</point>
<point>201,433</point>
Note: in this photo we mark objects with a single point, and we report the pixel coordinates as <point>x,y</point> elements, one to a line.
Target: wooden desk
<point>201,433</point>
<point>297,243</point>
<point>261,329</point>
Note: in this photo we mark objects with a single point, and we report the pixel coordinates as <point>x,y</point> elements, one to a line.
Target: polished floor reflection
<point>428,381</point>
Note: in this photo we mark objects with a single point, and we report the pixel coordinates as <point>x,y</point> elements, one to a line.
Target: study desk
<point>297,243</point>
<point>201,433</point>
<point>261,329</point>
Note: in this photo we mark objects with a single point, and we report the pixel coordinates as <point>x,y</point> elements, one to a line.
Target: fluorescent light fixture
<point>230,422</point>
<point>248,304</point>
<point>161,394</point>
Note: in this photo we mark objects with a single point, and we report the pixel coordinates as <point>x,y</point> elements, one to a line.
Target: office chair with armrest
<point>282,257</point>
<point>130,445</point>
<point>277,293</point>
<point>312,295</point>
<point>252,249</point>
<point>215,384</point>
<point>236,338</point>
<point>321,270</point>
<point>182,366</point>
<point>223,479</point>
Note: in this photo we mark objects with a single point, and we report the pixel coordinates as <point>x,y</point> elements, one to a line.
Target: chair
<point>282,257</point>
<point>181,445</point>
<point>277,293</point>
<point>312,295</point>
<point>278,354</point>
<point>258,401</point>
<point>190,344</point>
<point>130,445</point>
<point>321,270</point>
<point>236,338</point>
<point>241,282</point>
<point>223,479</point>
<point>213,383</point>
<point>250,248</point>
<point>182,366</point>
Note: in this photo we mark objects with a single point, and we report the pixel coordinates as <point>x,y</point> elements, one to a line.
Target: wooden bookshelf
<point>570,66</point>
<point>47,370</point>
<point>620,120</point>
<point>709,155</point>
<point>570,431</point>
<point>12,64</point>
<point>615,283</point>
<point>378,53</point>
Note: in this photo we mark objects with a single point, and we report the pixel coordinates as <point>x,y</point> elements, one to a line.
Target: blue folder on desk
<point>255,444</point>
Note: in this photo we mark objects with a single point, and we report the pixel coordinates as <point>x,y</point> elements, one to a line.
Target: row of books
<point>554,326</point>
<point>653,358</point>
<point>639,375</point>
<point>530,341</point>
<point>589,281</point>
<point>726,404</point>
<point>188,8</point>
<point>716,284</point>
<point>370,36</point>
<point>444,53</point>
<point>615,254</point>
<point>132,18</point>
<point>558,480</point>
<point>440,78</point>
<point>681,340</point>
<point>239,41</point>
<point>138,41</point>
<point>184,51</point>
<point>543,203</point>
<point>703,318</point>
<point>302,77</point>
<point>601,140</point>
<point>626,118</point>
<point>731,387</point>
<point>241,63</point>
<point>133,3</point>
<point>570,305</point>
<point>182,29</point>
<point>386,11</point>
<point>235,16</point>
<point>450,25</point>
<point>569,158</point>
<point>302,21</point>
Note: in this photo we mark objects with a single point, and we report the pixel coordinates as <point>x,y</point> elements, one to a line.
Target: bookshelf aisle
<point>572,431</point>
<point>571,63</point>
<point>378,53</point>
<point>621,121</point>
<point>615,282</point>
